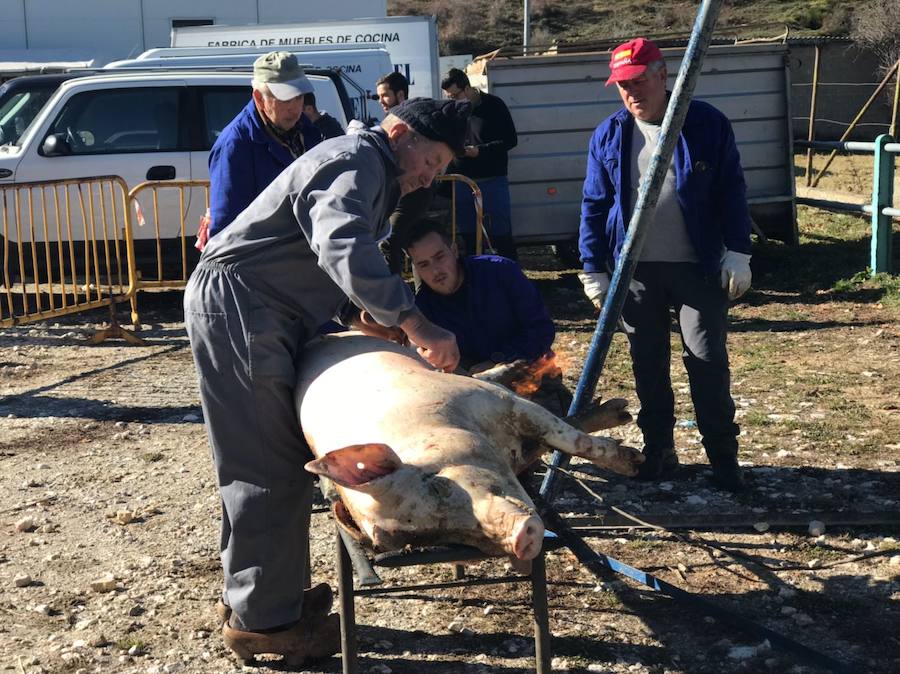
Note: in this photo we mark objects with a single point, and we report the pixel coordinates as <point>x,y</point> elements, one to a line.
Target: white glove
<point>595,283</point>
<point>736,275</point>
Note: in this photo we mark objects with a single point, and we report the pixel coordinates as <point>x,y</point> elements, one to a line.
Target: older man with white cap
<point>264,138</point>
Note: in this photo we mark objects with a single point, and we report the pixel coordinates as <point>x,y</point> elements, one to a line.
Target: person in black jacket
<point>327,125</point>
<point>491,135</point>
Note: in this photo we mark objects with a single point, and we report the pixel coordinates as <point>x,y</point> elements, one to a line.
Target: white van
<point>141,126</point>
<point>361,65</point>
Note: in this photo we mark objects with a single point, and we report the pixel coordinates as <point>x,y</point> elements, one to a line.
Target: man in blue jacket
<point>695,257</point>
<point>264,138</point>
<point>495,312</point>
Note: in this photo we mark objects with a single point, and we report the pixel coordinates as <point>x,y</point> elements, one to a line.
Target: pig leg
<point>600,416</point>
<point>535,423</point>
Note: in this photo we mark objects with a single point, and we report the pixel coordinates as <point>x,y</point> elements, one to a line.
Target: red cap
<point>629,60</point>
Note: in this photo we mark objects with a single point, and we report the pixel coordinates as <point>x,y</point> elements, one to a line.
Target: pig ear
<point>356,465</point>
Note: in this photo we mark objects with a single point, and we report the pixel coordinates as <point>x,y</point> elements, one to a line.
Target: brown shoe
<point>310,638</point>
<point>317,601</point>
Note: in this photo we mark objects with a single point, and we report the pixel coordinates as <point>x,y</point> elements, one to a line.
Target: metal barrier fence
<point>66,248</point>
<point>881,208</point>
<point>75,245</point>
<point>166,260</point>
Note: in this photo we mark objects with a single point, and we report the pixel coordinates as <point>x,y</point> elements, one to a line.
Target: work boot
<point>310,638</point>
<point>317,601</point>
<point>726,473</point>
<point>658,464</point>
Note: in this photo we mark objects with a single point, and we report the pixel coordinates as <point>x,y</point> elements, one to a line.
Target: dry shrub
<point>877,26</point>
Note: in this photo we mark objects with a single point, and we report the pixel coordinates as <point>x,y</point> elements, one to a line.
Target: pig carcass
<point>420,457</point>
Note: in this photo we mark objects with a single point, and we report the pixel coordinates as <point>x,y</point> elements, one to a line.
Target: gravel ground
<point>109,529</point>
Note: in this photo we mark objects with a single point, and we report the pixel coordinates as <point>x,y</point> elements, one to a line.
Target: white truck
<point>359,64</point>
<point>410,40</point>
<point>139,125</point>
<point>557,100</point>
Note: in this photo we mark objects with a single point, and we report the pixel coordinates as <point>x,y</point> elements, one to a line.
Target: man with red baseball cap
<point>695,256</point>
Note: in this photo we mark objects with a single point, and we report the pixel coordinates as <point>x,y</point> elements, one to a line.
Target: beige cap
<point>280,71</point>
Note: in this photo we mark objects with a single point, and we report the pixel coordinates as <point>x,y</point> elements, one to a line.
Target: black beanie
<point>444,121</point>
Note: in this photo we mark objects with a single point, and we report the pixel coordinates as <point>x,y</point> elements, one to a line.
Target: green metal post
<point>882,196</point>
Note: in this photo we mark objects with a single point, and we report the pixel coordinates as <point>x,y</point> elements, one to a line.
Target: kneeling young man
<point>495,312</point>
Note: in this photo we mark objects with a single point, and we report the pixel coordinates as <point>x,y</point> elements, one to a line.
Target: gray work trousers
<point>246,357</point>
<point>701,309</point>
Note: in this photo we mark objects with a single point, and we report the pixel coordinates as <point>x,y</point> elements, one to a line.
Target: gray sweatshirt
<point>310,240</point>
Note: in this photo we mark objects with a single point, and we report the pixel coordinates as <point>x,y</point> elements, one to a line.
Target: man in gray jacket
<point>304,251</point>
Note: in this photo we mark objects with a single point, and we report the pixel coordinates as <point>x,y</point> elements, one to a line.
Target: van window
<point>220,106</point>
<point>112,121</point>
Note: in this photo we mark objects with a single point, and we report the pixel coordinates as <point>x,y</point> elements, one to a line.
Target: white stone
<point>742,652</point>
<point>895,560</point>
<point>783,454</point>
<point>106,583</point>
<point>814,563</point>
<point>190,418</point>
<point>123,517</point>
<point>803,619</point>
<point>25,524</point>
<point>816,528</point>
<point>22,580</point>
<point>693,499</point>
<point>787,593</point>
<point>43,609</point>
<point>761,526</point>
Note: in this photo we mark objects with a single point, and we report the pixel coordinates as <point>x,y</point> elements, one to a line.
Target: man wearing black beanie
<point>305,251</point>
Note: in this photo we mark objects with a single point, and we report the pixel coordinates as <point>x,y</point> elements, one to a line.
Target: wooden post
<point>893,130</point>
<point>811,136</point>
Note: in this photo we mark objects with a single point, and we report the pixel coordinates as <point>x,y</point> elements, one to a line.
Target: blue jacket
<point>497,314</point>
<point>243,161</point>
<point>708,180</point>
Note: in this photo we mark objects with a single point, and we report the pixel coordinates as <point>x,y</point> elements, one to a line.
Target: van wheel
<point>567,253</point>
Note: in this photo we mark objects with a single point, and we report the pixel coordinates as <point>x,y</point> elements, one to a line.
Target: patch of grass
<point>806,552</point>
<point>810,430</point>
<point>888,284</point>
<point>643,544</point>
<point>125,643</point>
<point>756,418</point>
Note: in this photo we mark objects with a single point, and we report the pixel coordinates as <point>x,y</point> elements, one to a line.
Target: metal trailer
<point>557,100</point>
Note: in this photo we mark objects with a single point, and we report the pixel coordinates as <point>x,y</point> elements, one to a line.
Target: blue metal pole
<point>882,196</point>
<point>643,211</point>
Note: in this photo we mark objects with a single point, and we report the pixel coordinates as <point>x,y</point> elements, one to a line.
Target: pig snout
<point>526,537</point>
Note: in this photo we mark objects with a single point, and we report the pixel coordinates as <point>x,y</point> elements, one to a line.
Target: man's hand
<point>436,345</point>
<point>369,326</point>
<point>736,274</point>
<point>471,151</point>
<point>596,285</point>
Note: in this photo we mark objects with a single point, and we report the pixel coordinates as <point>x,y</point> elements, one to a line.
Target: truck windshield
<point>18,109</point>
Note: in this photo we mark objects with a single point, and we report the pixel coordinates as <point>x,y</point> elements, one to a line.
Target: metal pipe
<point>811,135</point>
<point>676,112</point>
<point>526,27</point>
